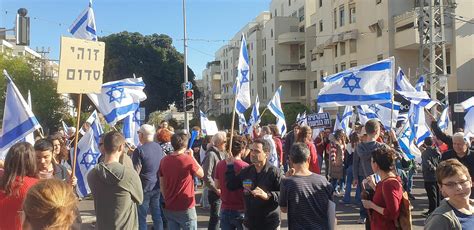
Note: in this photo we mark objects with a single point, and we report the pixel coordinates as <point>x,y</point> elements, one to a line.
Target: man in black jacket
<point>430,159</point>
<point>261,184</point>
<point>289,140</point>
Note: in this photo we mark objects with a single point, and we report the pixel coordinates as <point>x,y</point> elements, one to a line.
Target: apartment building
<point>211,89</point>
<point>305,40</point>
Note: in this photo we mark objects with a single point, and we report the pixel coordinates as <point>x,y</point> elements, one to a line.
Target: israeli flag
<point>84,26</point>
<point>119,99</point>
<point>18,119</point>
<point>418,124</point>
<point>367,84</point>
<point>254,116</point>
<point>275,108</point>
<point>345,119</point>
<point>30,138</point>
<point>131,125</point>
<point>385,114</point>
<point>243,85</point>
<point>402,117</point>
<point>203,119</point>
<point>468,106</point>
<point>365,114</point>
<point>302,119</point>
<point>243,129</point>
<point>406,141</point>
<point>88,154</point>
<point>443,120</point>
<point>412,94</point>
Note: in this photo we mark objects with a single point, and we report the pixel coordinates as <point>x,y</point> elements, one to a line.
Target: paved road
<point>347,214</point>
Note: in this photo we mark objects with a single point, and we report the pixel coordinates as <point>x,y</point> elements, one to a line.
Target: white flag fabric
<point>407,145</point>
<point>418,124</point>
<point>243,85</point>
<point>468,106</point>
<point>365,114</point>
<point>18,119</point>
<point>203,119</point>
<point>384,114</point>
<point>367,84</point>
<point>406,90</point>
<point>84,26</point>
<point>275,108</point>
<point>343,121</point>
<point>87,154</point>
<point>443,121</point>
<point>131,125</point>
<point>243,129</point>
<point>30,138</point>
<point>254,116</point>
<point>119,99</point>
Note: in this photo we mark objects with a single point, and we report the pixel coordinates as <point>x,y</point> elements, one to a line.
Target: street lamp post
<point>186,119</point>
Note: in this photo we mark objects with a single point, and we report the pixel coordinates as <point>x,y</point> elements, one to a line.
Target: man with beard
<point>261,186</point>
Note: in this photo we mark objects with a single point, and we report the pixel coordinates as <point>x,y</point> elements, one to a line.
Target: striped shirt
<point>306,198</point>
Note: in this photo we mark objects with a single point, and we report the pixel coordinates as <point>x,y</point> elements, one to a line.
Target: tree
<point>152,57</point>
<point>47,105</point>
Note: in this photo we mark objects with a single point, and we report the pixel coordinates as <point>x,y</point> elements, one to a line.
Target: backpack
<point>403,221</point>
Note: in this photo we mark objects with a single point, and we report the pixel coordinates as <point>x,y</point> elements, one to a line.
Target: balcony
<point>291,38</point>
<point>292,72</point>
<point>406,34</point>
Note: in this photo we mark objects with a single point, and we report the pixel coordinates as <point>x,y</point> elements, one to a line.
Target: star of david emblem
<point>89,159</point>
<point>115,94</point>
<point>244,73</point>
<point>374,108</point>
<point>405,135</point>
<point>355,85</point>
<point>135,117</point>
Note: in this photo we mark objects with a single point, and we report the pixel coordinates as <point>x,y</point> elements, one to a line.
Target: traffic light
<point>189,100</point>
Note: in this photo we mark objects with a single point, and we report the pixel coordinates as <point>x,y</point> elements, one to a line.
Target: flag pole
<point>232,127</point>
<point>392,93</point>
<point>74,156</point>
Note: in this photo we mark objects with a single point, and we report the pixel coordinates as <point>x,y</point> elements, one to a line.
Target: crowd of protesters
<point>246,186</point>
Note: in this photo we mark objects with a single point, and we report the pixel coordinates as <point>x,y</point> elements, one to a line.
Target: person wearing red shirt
<point>176,183</point>
<point>232,208</point>
<point>385,205</point>
<point>19,175</point>
<point>304,136</point>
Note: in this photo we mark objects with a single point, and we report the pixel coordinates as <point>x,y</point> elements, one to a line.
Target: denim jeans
<point>215,203</point>
<point>186,220</point>
<point>410,173</point>
<point>347,194</point>
<point>232,220</point>
<point>320,162</point>
<point>151,201</point>
<point>362,211</point>
<point>337,184</point>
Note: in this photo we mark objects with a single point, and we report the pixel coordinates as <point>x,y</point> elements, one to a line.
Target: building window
<point>302,29</point>
<point>315,84</point>
<point>314,57</point>
<point>271,51</point>
<point>302,54</point>
<point>271,33</point>
<point>264,60</point>
<point>276,13</point>
<point>251,93</point>
<point>302,89</point>
<point>342,47</point>
<point>379,31</point>
<point>289,2</point>
<point>301,13</point>
<point>352,13</point>
<point>272,87</point>
<point>264,77</point>
<point>320,3</point>
<point>272,69</point>
<point>378,1</point>
<point>353,64</point>
<point>352,46</point>
<point>334,15</point>
<point>336,70</point>
<point>343,66</point>
<point>264,92</point>
<point>320,25</point>
<point>251,61</point>
<point>342,14</point>
<point>379,57</point>
<point>335,50</point>
<point>294,15</point>
<point>264,43</point>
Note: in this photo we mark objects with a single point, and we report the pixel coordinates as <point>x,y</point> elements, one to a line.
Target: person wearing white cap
<point>146,160</point>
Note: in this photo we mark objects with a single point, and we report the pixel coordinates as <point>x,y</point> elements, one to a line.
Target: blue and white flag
<point>443,121</point>
<point>275,108</point>
<point>131,125</point>
<point>337,123</point>
<point>84,26</point>
<point>367,84</point>
<point>365,114</point>
<point>243,85</point>
<point>203,119</point>
<point>418,124</point>
<point>302,119</point>
<point>88,153</point>
<point>18,119</point>
<point>412,94</point>
<point>405,140</point>
<point>402,117</point>
<point>254,116</point>
<point>30,138</point>
<point>385,115</point>
<point>343,121</point>
<point>243,126</point>
<point>468,106</point>
<point>119,99</point>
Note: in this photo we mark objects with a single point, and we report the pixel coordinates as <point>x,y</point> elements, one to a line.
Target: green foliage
<point>152,57</point>
<point>47,105</point>
<point>291,110</point>
<point>155,118</point>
